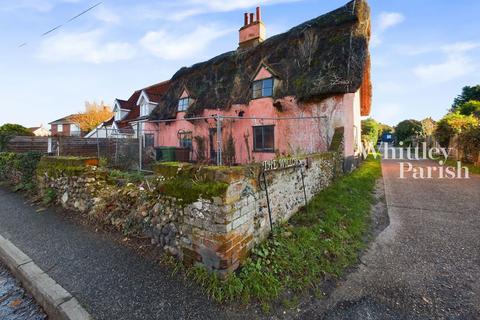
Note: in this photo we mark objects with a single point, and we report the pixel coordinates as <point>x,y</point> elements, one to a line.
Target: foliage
<point>428,127</point>
<point>385,128</point>
<point>371,130</point>
<point>49,196</point>
<point>187,191</point>
<point>407,129</point>
<point>94,115</point>
<point>322,240</point>
<point>469,141</point>
<point>19,169</point>
<point>470,108</point>
<point>229,157</point>
<point>452,124</point>
<point>472,169</point>
<point>133,177</point>
<point>468,94</point>
<point>201,149</point>
<point>8,131</point>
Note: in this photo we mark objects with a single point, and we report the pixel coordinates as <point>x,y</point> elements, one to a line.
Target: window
<point>149,140</point>
<point>263,138</point>
<point>183,104</point>
<point>60,128</point>
<point>263,88</point>
<point>185,139</point>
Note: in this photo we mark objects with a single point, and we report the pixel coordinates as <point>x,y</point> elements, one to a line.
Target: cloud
<point>453,67</point>
<point>384,21</point>
<point>106,15</point>
<point>36,5</point>
<point>171,46</point>
<point>387,20</point>
<point>181,10</point>
<point>457,63</point>
<point>84,47</point>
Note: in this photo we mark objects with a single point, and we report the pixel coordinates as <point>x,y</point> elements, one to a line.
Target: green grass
<point>324,239</point>
<point>471,168</point>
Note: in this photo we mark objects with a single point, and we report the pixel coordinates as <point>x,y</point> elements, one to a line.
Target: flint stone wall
<point>217,232</point>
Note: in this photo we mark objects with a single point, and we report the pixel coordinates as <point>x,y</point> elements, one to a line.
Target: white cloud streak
<point>181,10</point>
<point>84,47</point>
<point>389,19</point>
<point>457,63</point>
<point>36,5</point>
<point>383,22</point>
<point>171,46</point>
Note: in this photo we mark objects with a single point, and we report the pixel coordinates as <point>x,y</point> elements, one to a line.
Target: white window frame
<point>59,127</point>
<point>182,107</point>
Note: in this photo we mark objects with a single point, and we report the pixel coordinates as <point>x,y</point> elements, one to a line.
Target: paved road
<point>14,303</point>
<point>425,264</point>
<point>110,280</point>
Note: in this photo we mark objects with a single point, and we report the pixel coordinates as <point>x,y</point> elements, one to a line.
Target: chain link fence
<point>215,140</point>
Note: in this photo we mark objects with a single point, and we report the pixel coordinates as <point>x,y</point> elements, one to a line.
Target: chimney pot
<point>251,18</point>
<point>259,14</point>
<point>246,19</point>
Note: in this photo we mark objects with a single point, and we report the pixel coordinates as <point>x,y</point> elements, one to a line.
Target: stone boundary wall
<point>211,216</point>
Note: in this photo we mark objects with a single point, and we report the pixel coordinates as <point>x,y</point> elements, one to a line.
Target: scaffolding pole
<point>219,139</point>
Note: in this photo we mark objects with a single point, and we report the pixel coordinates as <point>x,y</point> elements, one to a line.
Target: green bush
<point>408,129</point>
<point>24,163</point>
<point>371,130</point>
<point>452,124</point>
<point>8,130</point>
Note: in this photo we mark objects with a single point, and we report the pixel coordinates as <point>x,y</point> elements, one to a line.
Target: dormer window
<point>183,104</point>
<point>144,109</point>
<point>263,88</point>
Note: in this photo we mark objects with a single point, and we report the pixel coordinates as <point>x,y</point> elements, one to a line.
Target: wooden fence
<point>65,146</point>
<point>28,144</point>
<point>122,153</point>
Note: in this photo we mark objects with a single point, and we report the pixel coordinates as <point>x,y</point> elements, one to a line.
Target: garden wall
<point>202,215</point>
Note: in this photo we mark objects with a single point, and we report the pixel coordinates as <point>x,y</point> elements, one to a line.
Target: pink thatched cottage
<point>284,95</point>
<point>280,96</point>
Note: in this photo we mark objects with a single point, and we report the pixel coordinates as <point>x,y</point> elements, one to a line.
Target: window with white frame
<point>144,109</point>
<point>262,88</point>
<point>183,104</point>
<point>60,128</point>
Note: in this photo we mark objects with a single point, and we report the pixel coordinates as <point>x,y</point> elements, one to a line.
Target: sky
<point>423,52</point>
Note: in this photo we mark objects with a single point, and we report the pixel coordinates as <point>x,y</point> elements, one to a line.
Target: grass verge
<point>471,168</point>
<point>324,239</point>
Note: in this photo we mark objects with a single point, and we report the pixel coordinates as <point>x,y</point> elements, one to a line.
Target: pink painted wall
<point>292,137</point>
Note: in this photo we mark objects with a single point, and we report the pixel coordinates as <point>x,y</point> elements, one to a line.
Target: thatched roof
<point>317,59</point>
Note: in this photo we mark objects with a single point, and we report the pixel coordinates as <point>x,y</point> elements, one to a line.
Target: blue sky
<point>423,52</point>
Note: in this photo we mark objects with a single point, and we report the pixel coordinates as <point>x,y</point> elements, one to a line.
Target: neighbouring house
<point>40,131</point>
<point>130,115</point>
<point>320,68</point>
<point>65,127</point>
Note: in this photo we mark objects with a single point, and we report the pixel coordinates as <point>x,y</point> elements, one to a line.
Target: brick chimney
<point>253,32</point>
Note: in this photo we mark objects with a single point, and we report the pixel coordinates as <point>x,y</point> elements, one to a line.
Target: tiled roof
<point>154,92</point>
<point>64,120</point>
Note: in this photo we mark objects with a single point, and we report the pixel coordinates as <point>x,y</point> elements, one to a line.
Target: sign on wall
<point>282,164</point>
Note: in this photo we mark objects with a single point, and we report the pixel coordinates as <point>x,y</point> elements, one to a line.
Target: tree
<point>468,94</point>
<point>8,131</point>
<point>469,108</point>
<point>94,115</point>
<point>408,129</point>
<point>452,124</point>
<point>370,130</point>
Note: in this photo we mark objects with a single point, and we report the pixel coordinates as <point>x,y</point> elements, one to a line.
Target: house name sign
<point>282,164</point>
